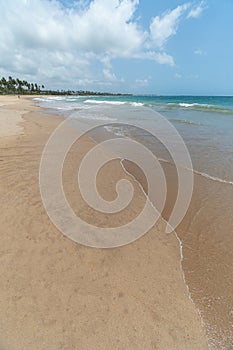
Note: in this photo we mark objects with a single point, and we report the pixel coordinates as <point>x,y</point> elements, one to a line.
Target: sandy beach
<point>10,120</point>
<point>57,294</point>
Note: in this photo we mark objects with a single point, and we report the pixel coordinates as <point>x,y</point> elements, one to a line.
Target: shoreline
<point>131,288</point>
<point>180,246</point>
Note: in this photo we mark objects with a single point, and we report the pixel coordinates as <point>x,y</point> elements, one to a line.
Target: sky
<point>164,47</point>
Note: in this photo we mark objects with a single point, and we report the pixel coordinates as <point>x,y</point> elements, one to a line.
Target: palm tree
<point>3,82</point>
<point>11,84</point>
<point>20,84</point>
<point>28,86</point>
<point>25,84</point>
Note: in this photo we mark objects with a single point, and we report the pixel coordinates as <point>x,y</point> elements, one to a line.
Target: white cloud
<point>142,82</point>
<point>197,11</point>
<point>162,28</point>
<point>160,57</point>
<point>163,58</point>
<point>74,46</point>
<point>200,52</point>
<point>105,26</point>
<point>189,76</point>
<point>108,75</point>
<point>111,76</point>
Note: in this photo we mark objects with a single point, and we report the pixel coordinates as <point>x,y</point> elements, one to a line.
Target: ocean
<point>206,126</point>
<point>205,123</point>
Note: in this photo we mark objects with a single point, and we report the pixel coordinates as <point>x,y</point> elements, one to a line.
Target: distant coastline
<point>15,86</point>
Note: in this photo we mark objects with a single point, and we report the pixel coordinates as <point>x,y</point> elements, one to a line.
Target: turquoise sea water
<point>204,122</point>
<point>222,103</point>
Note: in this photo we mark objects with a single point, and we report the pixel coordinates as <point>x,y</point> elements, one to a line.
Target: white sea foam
<point>213,178</point>
<point>185,121</point>
<point>117,103</point>
<point>186,104</point>
<point>115,130</point>
<point>136,104</point>
<point>210,177</point>
<point>96,117</point>
<point>65,108</point>
<point>202,106</point>
<point>49,99</point>
<point>40,99</point>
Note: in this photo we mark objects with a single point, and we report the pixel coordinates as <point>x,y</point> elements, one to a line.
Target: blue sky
<point>158,47</point>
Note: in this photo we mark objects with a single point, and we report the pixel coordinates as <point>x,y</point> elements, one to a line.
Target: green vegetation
<point>17,86</point>
<point>22,87</point>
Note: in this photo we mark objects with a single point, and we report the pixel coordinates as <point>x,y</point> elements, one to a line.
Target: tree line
<point>17,86</point>
<point>23,87</point>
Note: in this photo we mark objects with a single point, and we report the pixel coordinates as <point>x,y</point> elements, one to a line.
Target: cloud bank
<point>45,41</point>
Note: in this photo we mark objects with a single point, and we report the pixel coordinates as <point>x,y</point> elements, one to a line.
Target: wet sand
<point>207,236</point>
<point>206,233</point>
<point>56,294</point>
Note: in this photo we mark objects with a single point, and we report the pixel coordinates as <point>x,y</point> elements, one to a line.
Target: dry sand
<point>56,294</point>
